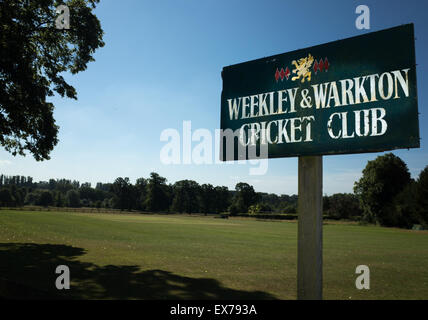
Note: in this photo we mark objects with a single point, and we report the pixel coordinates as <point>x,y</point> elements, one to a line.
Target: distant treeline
<point>385,195</point>
<point>153,194</point>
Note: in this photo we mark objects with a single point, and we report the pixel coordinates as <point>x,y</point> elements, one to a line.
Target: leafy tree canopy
<point>422,195</point>
<point>245,196</point>
<point>33,55</point>
<point>382,180</point>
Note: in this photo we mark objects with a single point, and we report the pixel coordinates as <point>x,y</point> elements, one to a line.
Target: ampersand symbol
<point>306,100</point>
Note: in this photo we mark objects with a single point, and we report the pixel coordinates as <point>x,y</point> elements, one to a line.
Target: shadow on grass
<point>27,271</point>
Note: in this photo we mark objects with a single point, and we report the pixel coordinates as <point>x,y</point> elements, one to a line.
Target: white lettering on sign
<point>335,94</point>
<point>375,117</point>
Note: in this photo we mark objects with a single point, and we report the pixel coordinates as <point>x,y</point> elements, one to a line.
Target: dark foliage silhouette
<point>28,272</point>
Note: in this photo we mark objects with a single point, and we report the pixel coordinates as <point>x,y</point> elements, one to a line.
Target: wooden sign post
<point>309,252</point>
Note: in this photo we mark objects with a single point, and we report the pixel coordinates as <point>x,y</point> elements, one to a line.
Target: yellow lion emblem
<point>302,70</point>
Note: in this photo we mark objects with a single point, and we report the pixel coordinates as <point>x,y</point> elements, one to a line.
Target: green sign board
<point>348,96</point>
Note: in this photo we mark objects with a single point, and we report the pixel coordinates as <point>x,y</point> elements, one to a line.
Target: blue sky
<point>162,65</point>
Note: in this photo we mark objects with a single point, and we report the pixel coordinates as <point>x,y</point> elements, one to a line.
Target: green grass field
<point>181,257</point>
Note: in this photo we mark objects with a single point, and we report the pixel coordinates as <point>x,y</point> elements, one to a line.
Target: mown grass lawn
<point>130,256</point>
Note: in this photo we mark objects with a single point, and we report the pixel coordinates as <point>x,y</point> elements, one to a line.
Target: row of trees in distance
<point>153,194</point>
